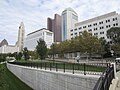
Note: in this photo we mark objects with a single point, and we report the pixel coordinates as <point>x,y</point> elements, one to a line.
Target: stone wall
<point>40,79</point>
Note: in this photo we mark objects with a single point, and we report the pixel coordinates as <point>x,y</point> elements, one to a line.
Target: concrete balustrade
<point>40,79</point>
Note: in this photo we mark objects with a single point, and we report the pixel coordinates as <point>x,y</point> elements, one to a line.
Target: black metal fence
<point>83,68</point>
<point>105,80</point>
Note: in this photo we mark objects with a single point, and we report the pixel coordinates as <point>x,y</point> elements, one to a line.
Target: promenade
<point>118,83</point>
<point>115,82</point>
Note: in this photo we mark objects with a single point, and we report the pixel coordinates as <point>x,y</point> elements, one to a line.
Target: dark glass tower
<point>54,25</point>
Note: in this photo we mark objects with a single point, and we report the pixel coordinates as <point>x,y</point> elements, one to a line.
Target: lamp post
<point>112,52</point>
<point>53,51</point>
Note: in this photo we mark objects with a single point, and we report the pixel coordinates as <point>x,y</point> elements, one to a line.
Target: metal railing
<point>83,68</point>
<point>105,80</point>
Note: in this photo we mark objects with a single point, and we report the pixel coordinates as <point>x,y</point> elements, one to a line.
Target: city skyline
<point>34,13</point>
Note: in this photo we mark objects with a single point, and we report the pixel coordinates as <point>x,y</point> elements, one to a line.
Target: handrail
<point>83,68</point>
<point>105,80</point>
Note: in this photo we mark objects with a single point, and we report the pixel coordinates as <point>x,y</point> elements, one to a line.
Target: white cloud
<point>34,13</point>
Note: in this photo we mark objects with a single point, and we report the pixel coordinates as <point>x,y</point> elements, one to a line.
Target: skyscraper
<point>21,35</point>
<point>54,25</point>
<point>49,24</point>
<point>69,18</point>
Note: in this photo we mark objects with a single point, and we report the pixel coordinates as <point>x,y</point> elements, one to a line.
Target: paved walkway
<point>118,83</point>
<point>115,82</point>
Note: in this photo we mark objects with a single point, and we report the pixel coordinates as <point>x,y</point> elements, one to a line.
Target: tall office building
<point>49,24</point>
<point>21,35</point>
<point>69,18</point>
<point>54,25</point>
<point>98,26</point>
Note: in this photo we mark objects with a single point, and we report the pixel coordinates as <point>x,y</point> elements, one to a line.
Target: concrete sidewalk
<point>118,83</point>
<point>115,82</point>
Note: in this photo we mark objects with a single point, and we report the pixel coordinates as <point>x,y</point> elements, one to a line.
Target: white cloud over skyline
<point>34,13</point>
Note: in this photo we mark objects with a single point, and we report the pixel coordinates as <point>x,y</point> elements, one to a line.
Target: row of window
<point>101,37</point>
<point>81,33</point>
<point>107,26</point>
<point>99,23</point>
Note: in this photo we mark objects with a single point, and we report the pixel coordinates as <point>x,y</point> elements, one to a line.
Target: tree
<point>41,49</point>
<point>33,54</point>
<point>114,34</point>
<point>3,57</point>
<point>83,43</point>
<point>90,44</point>
<point>19,55</point>
<point>25,53</point>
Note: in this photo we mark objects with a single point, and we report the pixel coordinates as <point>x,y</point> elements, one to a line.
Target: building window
<point>49,34</point>
<point>95,29</point>
<point>80,33</point>
<point>101,32</point>
<point>102,37</point>
<point>106,21</point>
<point>107,26</point>
<point>89,30</point>
<point>84,26</point>
<point>80,27</point>
<point>95,33</point>
<point>89,25</point>
<point>94,24</point>
<point>71,34</point>
<point>75,33</point>
<point>116,24</point>
<point>101,22</point>
<point>71,30</point>
<point>113,19</point>
<point>113,24</point>
<point>75,29</point>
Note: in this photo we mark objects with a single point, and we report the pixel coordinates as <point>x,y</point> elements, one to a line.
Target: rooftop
<point>96,18</point>
<point>37,31</point>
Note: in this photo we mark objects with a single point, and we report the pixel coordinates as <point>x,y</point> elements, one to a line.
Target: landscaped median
<point>8,81</point>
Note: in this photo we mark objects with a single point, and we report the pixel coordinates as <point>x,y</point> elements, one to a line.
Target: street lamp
<point>112,52</point>
<point>53,50</point>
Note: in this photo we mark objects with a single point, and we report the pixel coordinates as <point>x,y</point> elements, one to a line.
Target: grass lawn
<point>8,81</point>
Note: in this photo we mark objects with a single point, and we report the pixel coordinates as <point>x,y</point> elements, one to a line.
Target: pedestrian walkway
<point>115,82</point>
<point>118,83</point>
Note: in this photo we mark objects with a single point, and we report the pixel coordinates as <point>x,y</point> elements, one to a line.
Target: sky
<point>34,13</point>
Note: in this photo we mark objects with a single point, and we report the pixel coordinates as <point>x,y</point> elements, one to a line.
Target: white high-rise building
<point>98,26</point>
<point>33,37</point>
<point>69,18</point>
<point>21,35</point>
